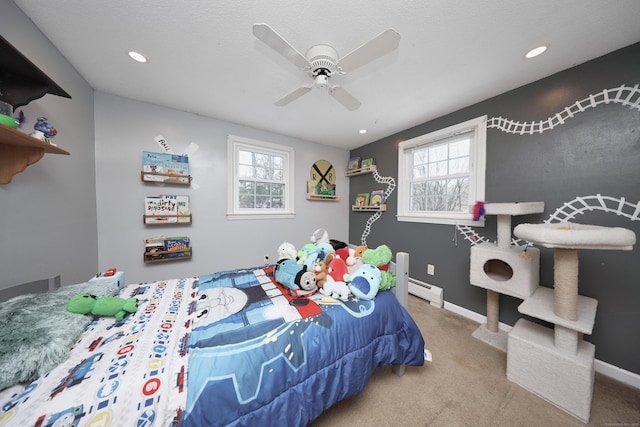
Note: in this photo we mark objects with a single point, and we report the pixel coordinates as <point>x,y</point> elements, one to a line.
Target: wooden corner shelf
<point>361,171</point>
<point>323,197</point>
<point>380,208</point>
<point>19,150</point>
<point>166,219</point>
<point>151,257</point>
<point>165,178</point>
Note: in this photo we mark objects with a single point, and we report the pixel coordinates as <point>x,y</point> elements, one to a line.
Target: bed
<point>264,357</point>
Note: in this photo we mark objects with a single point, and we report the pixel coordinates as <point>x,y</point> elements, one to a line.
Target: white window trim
<point>477,174</point>
<point>233,210</point>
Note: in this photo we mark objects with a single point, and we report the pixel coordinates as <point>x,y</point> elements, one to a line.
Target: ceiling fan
<point>321,62</point>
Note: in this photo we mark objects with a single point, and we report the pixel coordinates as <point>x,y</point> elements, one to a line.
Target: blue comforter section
<point>260,360</point>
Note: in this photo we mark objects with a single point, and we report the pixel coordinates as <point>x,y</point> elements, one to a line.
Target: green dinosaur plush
<point>104,306</point>
<point>388,280</point>
<point>379,256</point>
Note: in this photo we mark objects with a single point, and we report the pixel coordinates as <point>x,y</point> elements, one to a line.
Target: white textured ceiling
<point>204,59</point>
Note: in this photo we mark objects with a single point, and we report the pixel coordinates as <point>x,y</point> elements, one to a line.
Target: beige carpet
<point>466,385</point>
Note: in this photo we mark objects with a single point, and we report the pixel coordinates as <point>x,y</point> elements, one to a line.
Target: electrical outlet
<point>431,269</point>
<point>266,259</point>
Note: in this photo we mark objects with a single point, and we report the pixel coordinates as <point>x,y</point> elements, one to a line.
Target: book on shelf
<point>320,188</point>
<point>312,187</point>
<point>176,246</point>
<point>377,198</point>
<point>365,163</point>
<point>153,248</point>
<point>354,163</point>
<point>166,209</point>
<point>173,167</point>
<point>362,199</point>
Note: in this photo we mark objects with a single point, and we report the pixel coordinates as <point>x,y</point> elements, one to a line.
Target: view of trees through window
<point>261,184</point>
<point>440,176</point>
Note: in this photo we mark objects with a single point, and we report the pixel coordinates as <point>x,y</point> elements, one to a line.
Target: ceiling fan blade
<point>373,49</point>
<point>275,41</point>
<point>293,96</point>
<point>345,98</point>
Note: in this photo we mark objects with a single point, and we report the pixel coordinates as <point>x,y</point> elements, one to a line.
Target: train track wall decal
<point>625,95</point>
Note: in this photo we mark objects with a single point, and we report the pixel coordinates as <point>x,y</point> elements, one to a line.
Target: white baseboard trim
<point>601,367</point>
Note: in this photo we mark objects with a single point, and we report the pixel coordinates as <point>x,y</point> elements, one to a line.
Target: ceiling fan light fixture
<point>321,62</point>
<point>536,51</point>
<point>321,80</point>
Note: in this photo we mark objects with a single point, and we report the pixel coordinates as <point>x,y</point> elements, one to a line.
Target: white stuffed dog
<point>287,251</point>
<point>334,289</point>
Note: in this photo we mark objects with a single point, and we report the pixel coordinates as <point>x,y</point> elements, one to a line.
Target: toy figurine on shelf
<point>43,130</point>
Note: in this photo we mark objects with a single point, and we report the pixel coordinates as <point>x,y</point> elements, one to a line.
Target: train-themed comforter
<point>229,348</point>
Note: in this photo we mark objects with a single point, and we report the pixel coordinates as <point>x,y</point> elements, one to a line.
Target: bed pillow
<point>36,331</point>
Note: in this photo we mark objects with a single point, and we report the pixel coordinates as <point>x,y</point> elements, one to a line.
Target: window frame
<point>477,169</point>
<point>234,145</point>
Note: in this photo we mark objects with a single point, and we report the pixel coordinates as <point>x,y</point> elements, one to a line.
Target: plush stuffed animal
<point>319,236</point>
<point>320,270</point>
<point>294,276</point>
<point>103,306</point>
<point>337,269</point>
<point>359,251</point>
<point>353,262</point>
<point>337,244</point>
<point>287,251</point>
<point>324,249</point>
<point>380,257</point>
<point>388,280</point>
<point>307,255</point>
<point>344,253</point>
<point>365,282</point>
<point>335,289</point>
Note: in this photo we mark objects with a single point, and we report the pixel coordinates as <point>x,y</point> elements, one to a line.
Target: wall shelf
<point>166,219</point>
<point>165,178</point>
<point>19,150</point>
<point>160,256</point>
<point>380,208</point>
<point>361,171</point>
<point>322,197</point>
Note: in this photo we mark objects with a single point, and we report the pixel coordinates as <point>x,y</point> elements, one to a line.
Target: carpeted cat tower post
<point>557,364</point>
<point>501,268</point>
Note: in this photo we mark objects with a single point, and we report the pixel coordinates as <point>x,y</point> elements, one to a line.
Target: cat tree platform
<point>501,268</point>
<point>557,364</point>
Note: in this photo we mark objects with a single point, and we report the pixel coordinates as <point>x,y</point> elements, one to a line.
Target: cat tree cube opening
<point>501,268</point>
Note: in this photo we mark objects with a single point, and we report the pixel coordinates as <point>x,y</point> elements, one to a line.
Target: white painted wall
<point>124,128</point>
<point>48,212</point>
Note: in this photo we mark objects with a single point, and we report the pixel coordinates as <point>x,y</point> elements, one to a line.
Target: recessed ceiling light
<point>363,131</point>
<point>536,51</point>
<point>137,56</point>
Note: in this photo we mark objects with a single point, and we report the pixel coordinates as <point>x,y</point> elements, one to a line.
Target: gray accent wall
<point>48,212</point>
<point>595,152</point>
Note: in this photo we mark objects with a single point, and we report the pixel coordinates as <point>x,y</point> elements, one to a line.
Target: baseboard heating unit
<point>428,292</point>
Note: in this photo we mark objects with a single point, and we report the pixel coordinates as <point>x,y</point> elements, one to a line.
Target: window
<point>441,174</point>
<point>262,177</point>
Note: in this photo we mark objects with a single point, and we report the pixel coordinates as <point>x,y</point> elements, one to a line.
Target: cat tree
<point>501,268</point>
<point>557,364</point>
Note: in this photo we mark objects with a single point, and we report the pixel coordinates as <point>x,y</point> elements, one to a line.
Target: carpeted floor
<point>466,385</point>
